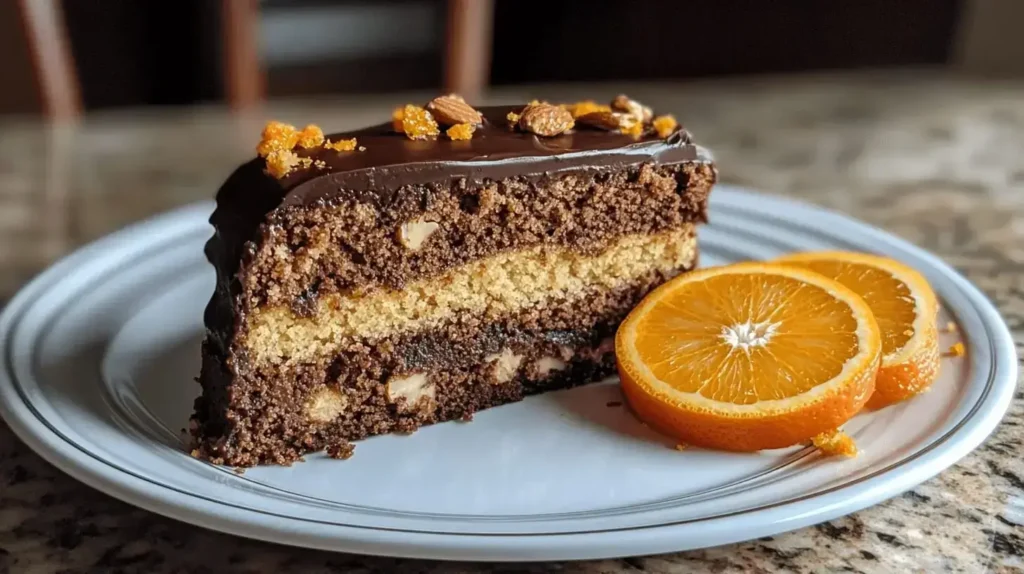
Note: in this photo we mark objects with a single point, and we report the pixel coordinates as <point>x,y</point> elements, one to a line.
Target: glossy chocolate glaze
<point>391,160</point>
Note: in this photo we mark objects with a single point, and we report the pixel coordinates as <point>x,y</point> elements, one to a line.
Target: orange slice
<point>748,356</point>
<point>905,308</point>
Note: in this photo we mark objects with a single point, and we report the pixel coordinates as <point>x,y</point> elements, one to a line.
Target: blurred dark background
<point>134,53</point>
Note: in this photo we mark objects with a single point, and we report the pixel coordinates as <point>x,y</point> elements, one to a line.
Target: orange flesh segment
<point>905,308</point>
<point>748,356</point>
<point>800,336</point>
<point>889,298</point>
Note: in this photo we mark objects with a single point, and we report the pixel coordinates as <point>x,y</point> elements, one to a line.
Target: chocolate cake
<point>447,261</point>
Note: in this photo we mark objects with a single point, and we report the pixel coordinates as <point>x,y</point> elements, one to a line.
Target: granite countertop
<point>936,160</point>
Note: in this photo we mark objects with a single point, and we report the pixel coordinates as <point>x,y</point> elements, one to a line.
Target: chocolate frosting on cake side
<point>390,160</point>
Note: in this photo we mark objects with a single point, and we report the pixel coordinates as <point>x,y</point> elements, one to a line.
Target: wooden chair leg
<point>244,76</point>
<point>468,50</point>
<point>50,51</point>
<point>987,42</point>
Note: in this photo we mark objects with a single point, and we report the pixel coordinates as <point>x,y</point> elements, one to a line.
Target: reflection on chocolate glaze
<point>391,160</point>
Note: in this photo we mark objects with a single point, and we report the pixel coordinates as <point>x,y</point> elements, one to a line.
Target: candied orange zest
<point>341,145</point>
<point>277,136</point>
<point>635,130</point>
<point>311,136</point>
<point>665,125</point>
<point>397,115</point>
<point>957,350</point>
<point>585,107</point>
<point>281,162</point>
<point>835,442</point>
<point>418,123</point>
<point>461,131</point>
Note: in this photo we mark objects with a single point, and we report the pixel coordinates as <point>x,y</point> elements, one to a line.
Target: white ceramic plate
<point>100,351</point>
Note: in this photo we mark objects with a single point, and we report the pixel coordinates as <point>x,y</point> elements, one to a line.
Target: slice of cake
<point>450,260</point>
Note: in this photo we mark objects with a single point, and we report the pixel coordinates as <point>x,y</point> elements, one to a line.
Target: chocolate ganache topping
<point>390,160</point>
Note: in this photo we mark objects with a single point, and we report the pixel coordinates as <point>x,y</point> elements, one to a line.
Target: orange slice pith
<point>748,356</point>
<point>905,308</point>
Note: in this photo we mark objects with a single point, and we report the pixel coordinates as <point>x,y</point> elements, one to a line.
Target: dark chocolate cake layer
<point>507,240</point>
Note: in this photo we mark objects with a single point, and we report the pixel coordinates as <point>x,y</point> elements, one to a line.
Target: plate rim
<point>521,547</point>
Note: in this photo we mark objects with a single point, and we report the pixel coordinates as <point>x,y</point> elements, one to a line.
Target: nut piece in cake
<point>545,120</point>
<point>608,120</point>
<point>451,109</point>
<point>547,365</point>
<point>413,234</point>
<point>503,365</point>
<point>640,112</point>
<point>326,405</point>
<point>416,389</point>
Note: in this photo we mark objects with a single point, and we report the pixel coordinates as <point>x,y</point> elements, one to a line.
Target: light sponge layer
<point>490,288</point>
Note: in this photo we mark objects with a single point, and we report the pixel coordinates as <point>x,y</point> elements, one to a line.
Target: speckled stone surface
<point>938,161</point>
